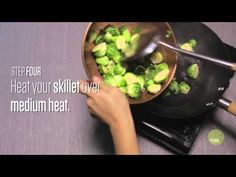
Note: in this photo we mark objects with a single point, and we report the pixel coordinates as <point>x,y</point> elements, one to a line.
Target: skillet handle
<point>234,67</point>
<point>232,108</point>
<point>227,105</point>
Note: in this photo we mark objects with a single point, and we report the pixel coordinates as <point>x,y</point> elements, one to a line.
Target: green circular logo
<point>216,137</point>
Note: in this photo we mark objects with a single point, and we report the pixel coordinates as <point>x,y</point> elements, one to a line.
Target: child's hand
<point>112,107</point>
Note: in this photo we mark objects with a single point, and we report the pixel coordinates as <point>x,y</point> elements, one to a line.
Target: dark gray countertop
<point>56,47</point>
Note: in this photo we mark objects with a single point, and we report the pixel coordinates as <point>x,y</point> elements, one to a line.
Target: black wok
<point>206,92</point>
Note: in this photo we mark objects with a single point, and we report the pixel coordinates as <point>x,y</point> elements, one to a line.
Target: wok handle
<point>234,67</point>
<point>227,105</point>
<point>217,61</point>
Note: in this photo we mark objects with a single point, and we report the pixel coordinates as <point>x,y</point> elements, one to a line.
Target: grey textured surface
<point>56,47</point>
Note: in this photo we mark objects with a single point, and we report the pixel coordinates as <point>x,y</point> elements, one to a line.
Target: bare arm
<point>112,107</point>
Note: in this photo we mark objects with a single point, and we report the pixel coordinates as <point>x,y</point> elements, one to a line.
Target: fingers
<point>83,88</point>
<point>103,86</point>
<point>80,87</point>
<point>90,105</point>
<point>91,111</point>
<point>97,79</point>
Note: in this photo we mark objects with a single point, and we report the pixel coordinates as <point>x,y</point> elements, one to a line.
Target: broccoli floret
<point>193,71</point>
<point>134,90</point>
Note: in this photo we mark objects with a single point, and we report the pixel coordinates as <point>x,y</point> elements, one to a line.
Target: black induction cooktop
<point>176,135</point>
